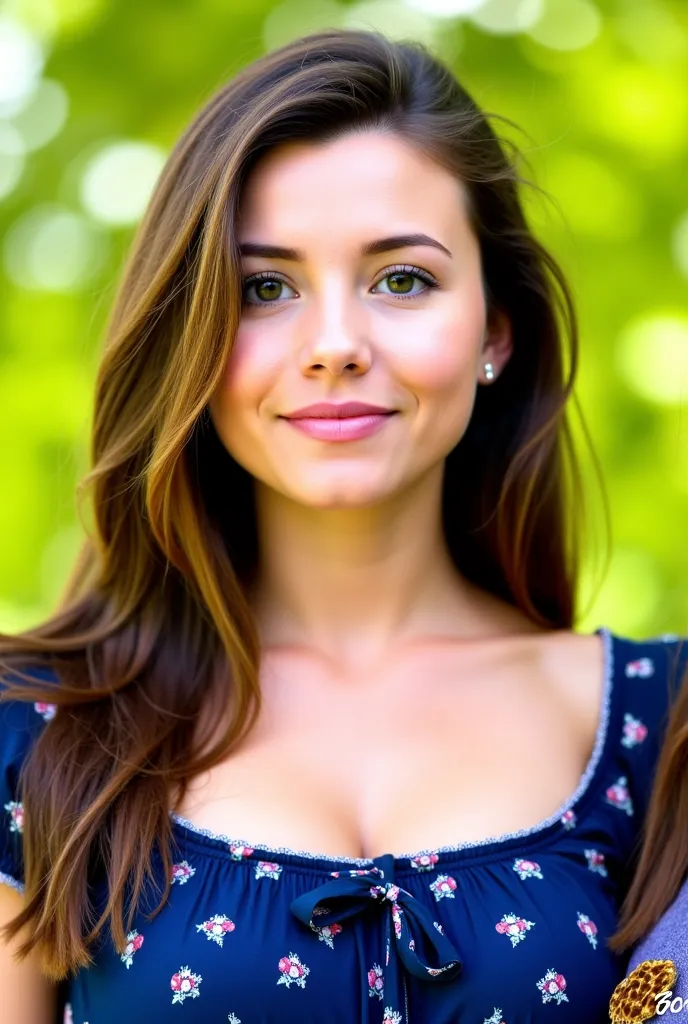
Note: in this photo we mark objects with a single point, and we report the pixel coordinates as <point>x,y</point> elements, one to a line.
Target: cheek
<point>439,367</point>
<point>441,352</point>
<point>441,374</point>
<point>248,377</point>
<point>441,363</point>
<point>252,369</point>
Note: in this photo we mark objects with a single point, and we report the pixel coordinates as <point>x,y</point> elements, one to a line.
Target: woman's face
<point>401,324</point>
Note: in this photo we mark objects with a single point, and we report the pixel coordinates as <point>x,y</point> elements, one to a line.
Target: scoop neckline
<point>484,848</point>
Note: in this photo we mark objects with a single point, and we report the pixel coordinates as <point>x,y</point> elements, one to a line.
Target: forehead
<point>356,184</point>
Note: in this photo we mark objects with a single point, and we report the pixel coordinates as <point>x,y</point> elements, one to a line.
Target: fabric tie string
<point>421,945</point>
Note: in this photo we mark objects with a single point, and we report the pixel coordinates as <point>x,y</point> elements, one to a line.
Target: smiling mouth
<point>346,428</point>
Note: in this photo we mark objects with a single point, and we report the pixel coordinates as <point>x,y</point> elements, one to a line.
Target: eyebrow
<point>279,252</point>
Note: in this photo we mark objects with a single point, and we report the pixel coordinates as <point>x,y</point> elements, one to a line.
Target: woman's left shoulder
<point>645,677</point>
<point>605,674</point>
<point>649,671</point>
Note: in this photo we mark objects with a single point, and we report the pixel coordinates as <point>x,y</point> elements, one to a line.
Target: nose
<point>337,344</point>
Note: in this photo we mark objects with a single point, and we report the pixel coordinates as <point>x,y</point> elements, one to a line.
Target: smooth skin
<point>379,661</point>
<point>27,997</point>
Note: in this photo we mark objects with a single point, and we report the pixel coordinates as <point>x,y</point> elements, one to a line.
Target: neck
<point>355,583</point>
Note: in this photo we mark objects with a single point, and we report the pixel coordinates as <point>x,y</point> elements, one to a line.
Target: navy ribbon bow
<point>421,945</point>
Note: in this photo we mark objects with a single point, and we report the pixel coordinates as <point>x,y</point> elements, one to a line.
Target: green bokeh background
<point>601,94</point>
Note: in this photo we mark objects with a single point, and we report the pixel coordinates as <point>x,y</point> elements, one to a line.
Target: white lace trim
<point>12,882</point>
<point>583,784</point>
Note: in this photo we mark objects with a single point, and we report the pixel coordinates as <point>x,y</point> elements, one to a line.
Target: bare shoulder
<point>573,665</point>
<point>571,657</point>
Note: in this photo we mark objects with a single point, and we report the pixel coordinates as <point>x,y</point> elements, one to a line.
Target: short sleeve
<point>20,725</point>
<point>649,675</point>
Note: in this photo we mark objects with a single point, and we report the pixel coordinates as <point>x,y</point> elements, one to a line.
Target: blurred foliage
<point>96,93</point>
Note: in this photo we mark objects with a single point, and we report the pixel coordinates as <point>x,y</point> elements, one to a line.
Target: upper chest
<point>437,747</point>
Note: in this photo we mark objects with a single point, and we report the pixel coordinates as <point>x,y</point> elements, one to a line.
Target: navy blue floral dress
<point>509,929</point>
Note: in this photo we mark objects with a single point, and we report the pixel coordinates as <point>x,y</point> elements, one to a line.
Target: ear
<point>497,346</point>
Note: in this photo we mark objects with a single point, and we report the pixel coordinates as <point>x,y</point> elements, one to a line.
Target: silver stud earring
<point>489,371</point>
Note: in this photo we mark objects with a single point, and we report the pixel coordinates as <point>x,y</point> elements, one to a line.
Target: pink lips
<point>349,421</point>
<point>330,410</point>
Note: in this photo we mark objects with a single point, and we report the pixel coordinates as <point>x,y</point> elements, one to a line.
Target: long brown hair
<point>155,623</point>
<point>663,862</point>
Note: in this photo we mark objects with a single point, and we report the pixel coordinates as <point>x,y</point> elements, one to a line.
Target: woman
<point>325,616</point>
<point>654,916</point>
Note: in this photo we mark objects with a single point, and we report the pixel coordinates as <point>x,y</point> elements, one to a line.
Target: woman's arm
<point>27,997</point>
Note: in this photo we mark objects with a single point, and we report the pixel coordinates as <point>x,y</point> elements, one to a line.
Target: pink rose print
<point>46,711</point>
<point>185,984</point>
<point>68,1016</point>
<point>568,820</point>
<point>618,796</point>
<point>134,943</point>
<point>376,984</point>
<point>391,1016</point>
<point>216,927</point>
<point>182,872</point>
<point>239,850</point>
<point>643,668</point>
<point>233,1019</point>
<point>527,869</point>
<point>496,1017</point>
<point>589,929</point>
<point>327,933</point>
<point>596,863</point>
<point>444,885</point>
<point>267,869</point>
<point>553,986</point>
<point>634,732</point>
<point>388,891</point>
<point>515,927</point>
<point>15,809</point>
<point>424,861</point>
<point>292,971</point>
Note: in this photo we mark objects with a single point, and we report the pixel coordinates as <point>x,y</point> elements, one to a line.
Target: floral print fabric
<point>510,929</point>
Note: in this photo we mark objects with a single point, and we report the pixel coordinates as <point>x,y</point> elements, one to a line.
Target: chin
<point>340,502</point>
<point>341,496</point>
